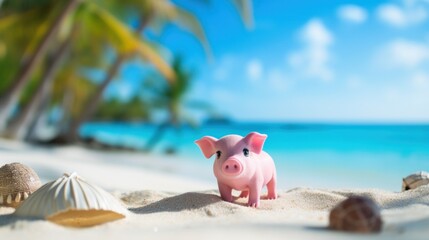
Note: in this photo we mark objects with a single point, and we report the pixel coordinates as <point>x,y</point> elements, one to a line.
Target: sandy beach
<point>140,118</point>
<point>166,203</point>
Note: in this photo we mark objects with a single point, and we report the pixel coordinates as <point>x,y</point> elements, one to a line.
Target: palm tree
<point>93,102</point>
<point>171,98</point>
<point>11,96</point>
<point>159,10</point>
<point>118,35</point>
<point>21,125</point>
<point>15,18</point>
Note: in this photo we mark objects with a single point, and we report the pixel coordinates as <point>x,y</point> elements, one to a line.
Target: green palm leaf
<point>161,12</point>
<point>246,11</point>
<point>189,22</point>
<point>10,20</point>
<point>124,40</point>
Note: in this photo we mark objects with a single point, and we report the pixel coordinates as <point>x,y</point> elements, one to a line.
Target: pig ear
<point>255,141</point>
<point>207,145</point>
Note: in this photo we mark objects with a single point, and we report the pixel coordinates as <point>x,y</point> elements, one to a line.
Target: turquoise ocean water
<point>306,155</point>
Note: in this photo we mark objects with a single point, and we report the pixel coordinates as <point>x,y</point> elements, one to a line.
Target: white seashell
<point>415,180</point>
<point>71,201</point>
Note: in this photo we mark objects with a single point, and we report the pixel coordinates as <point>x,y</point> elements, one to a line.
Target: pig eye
<point>246,152</point>
<point>218,153</point>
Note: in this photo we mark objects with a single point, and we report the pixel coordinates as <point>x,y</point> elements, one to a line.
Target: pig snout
<point>232,167</point>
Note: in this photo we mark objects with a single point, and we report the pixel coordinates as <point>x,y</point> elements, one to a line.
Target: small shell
<point>17,182</point>
<point>356,214</point>
<point>415,180</point>
<point>71,201</point>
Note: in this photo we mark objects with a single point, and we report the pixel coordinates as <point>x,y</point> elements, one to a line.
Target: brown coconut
<point>356,214</point>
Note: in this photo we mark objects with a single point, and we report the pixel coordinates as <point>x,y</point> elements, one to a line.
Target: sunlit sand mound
<point>300,213</point>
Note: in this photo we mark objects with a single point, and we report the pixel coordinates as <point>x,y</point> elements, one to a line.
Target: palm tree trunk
<point>31,135</point>
<point>60,125</point>
<point>66,106</point>
<point>95,99</point>
<point>11,96</point>
<point>21,125</point>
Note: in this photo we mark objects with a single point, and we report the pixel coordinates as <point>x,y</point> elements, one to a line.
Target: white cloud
<point>313,60</point>
<point>404,53</point>
<point>315,33</point>
<point>420,80</point>
<point>392,14</point>
<point>254,69</point>
<point>402,16</point>
<point>352,13</point>
<point>410,59</point>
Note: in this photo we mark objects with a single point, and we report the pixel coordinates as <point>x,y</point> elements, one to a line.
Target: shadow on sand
<point>186,201</point>
<point>7,219</point>
<point>10,219</point>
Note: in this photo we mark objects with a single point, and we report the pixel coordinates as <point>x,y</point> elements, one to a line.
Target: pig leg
<point>254,196</point>
<point>244,194</point>
<point>271,186</point>
<point>225,192</point>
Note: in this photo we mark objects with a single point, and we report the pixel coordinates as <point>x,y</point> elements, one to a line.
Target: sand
<point>173,205</point>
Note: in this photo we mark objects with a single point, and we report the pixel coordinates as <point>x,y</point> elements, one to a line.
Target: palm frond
<point>190,22</point>
<point>10,20</point>
<point>245,9</point>
<point>125,41</point>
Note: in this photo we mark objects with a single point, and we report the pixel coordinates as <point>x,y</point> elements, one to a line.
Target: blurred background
<point>341,88</point>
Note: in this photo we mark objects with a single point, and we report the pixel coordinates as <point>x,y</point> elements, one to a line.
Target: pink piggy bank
<point>241,165</point>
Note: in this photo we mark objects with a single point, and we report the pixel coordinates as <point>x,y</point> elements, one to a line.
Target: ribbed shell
<point>415,180</point>
<point>17,182</point>
<point>72,201</point>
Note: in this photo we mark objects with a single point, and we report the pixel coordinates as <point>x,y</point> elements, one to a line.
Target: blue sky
<point>311,61</point>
